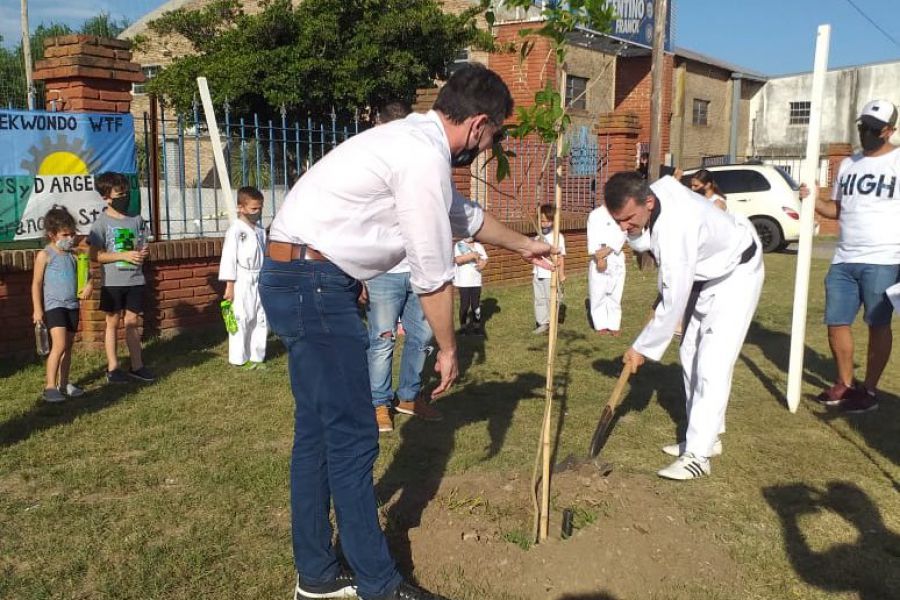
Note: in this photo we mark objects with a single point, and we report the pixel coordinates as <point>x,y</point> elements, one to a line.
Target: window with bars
<point>150,72</point>
<point>701,112</point>
<point>575,88</point>
<point>799,113</point>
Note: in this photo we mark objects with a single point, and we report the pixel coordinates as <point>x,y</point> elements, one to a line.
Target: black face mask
<point>870,139</point>
<point>466,156</point>
<point>121,204</point>
<point>253,217</point>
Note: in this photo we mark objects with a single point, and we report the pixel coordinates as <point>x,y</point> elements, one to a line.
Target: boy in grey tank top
<point>53,294</point>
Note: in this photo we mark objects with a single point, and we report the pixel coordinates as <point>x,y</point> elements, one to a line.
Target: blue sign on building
<point>634,22</point>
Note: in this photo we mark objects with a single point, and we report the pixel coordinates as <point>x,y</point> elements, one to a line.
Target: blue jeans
<point>390,297</point>
<point>312,307</point>
<point>849,285</point>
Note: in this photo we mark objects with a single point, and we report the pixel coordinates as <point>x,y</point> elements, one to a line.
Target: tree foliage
<point>314,57</point>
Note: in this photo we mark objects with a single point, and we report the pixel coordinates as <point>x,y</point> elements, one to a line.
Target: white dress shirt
<point>383,195</point>
<point>692,240</point>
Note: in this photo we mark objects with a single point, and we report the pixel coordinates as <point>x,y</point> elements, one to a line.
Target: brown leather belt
<point>286,252</point>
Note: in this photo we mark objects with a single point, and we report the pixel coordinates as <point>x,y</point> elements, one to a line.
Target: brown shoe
<point>383,418</point>
<point>419,408</point>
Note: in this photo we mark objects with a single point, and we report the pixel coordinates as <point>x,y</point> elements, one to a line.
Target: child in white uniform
<point>606,271</point>
<point>242,258</point>
<point>541,280</point>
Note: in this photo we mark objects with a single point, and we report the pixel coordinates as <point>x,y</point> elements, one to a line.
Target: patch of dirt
<point>472,540</point>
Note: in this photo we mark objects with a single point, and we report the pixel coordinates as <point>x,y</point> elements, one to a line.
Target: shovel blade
<point>601,433</point>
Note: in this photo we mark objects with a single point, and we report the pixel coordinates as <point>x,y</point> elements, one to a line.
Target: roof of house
<point>715,62</point>
<point>141,24</point>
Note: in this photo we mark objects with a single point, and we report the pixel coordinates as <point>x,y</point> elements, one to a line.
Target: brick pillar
<point>619,132</point>
<point>87,73</point>
<point>835,154</point>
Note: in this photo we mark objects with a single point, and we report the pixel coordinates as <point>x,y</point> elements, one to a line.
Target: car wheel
<point>769,233</point>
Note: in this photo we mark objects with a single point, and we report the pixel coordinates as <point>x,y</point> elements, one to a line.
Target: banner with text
<point>51,158</point>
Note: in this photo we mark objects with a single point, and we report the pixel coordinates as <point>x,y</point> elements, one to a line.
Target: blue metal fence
<point>269,154</point>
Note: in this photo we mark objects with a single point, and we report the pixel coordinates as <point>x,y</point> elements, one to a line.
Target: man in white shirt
<point>866,202</point>
<point>711,275</point>
<point>383,195</point>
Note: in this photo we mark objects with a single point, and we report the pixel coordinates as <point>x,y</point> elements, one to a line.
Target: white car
<point>766,195</point>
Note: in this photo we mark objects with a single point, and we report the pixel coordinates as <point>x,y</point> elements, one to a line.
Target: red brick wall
<point>85,73</point>
<point>633,85</point>
<point>505,267</point>
<point>183,292</point>
<point>533,74</point>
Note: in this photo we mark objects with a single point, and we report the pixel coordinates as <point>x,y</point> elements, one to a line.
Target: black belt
<point>749,253</point>
<point>698,286</point>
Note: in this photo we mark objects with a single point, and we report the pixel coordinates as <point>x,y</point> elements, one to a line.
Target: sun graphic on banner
<point>59,157</point>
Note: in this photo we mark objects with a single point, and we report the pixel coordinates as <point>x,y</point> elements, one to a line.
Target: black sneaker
<point>343,586</point>
<point>407,591</point>
<point>859,401</point>
<point>143,374</point>
<point>116,376</point>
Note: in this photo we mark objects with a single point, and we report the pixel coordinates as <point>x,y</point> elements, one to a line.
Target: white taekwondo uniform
<point>242,257</point>
<point>605,288</point>
<point>701,247</point>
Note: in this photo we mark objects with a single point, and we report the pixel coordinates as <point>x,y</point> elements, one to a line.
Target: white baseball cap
<point>878,114</point>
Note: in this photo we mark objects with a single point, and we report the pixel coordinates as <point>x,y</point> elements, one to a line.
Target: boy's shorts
<point>62,317</point>
<point>849,285</point>
<point>114,299</point>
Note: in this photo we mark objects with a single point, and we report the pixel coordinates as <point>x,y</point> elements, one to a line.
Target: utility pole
<point>660,10</point>
<point>26,53</point>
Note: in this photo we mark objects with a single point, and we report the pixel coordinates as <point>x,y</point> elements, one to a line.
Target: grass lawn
<point>179,489</point>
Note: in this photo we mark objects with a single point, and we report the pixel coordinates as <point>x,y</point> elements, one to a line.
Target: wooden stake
<point>807,221</point>
<point>554,328</point>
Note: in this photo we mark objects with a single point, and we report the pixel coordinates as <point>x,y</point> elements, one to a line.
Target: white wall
<point>846,91</point>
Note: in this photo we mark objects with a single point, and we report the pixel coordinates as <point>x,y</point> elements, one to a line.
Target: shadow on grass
<point>664,380</point>
<point>878,429</point>
<point>471,346</point>
<point>866,566</point>
<point>420,462</point>
<point>776,347</point>
<point>163,356</point>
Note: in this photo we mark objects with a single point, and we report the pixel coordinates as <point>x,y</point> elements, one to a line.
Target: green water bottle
<point>231,324</point>
<point>84,270</point>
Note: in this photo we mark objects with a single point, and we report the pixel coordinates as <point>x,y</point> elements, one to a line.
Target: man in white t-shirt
<point>866,202</point>
<point>470,259</point>
<point>541,276</point>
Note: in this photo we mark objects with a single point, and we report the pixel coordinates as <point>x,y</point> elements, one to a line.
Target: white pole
<point>807,212</point>
<point>219,156</point>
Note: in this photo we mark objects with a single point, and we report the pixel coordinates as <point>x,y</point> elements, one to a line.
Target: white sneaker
<point>541,329</point>
<point>73,391</point>
<point>678,449</point>
<point>686,466</point>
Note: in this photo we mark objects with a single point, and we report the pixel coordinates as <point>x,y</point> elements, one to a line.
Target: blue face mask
<point>65,244</point>
<point>547,230</point>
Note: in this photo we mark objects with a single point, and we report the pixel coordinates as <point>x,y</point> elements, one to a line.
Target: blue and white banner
<point>49,158</point>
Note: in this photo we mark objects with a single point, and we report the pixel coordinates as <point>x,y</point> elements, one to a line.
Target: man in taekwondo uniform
<point>710,276</point>
<point>382,195</point>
